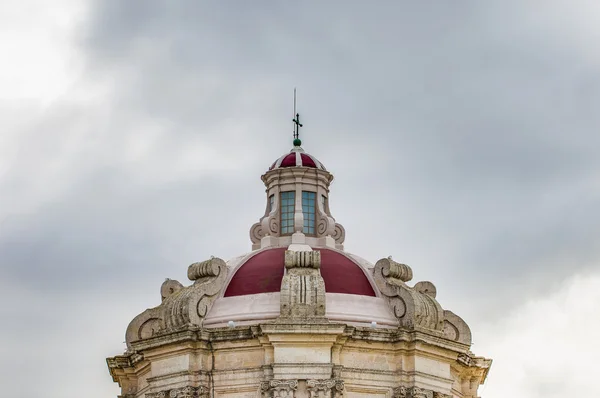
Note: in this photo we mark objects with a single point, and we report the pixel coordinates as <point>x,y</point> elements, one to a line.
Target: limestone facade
<point>311,338</point>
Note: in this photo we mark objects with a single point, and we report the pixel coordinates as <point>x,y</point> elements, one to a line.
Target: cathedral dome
<point>297,158</point>
<point>254,289</point>
<point>298,315</point>
<point>263,271</point>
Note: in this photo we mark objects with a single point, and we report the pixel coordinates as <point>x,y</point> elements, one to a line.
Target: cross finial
<point>297,124</point>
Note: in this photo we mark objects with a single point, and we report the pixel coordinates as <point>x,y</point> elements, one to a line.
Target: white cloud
<point>36,40</point>
<point>548,346</point>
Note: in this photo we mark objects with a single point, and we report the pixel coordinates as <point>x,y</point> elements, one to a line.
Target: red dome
<point>263,272</point>
<point>297,158</point>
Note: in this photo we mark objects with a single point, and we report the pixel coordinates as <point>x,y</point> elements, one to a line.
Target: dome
<point>254,290</point>
<point>296,311</point>
<point>263,271</point>
<point>297,158</point>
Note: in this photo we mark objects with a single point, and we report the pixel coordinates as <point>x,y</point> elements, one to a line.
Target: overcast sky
<point>463,136</point>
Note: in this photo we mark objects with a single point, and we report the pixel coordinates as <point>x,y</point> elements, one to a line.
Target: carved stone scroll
<point>426,287</point>
<point>416,392</point>
<point>279,388</point>
<point>411,307</point>
<point>302,287</point>
<point>169,287</point>
<point>456,329</point>
<point>339,234</point>
<point>181,305</point>
<point>328,388</point>
<point>191,304</point>
<point>396,270</point>
<point>184,392</point>
<point>205,269</point>
<point>256,233</point>
<point>268,224</point>
<point>325,223</point>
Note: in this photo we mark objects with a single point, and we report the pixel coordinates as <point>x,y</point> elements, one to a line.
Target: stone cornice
<point>195,334</point>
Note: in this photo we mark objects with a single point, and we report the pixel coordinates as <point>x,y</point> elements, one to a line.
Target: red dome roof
<point>263,272</point>
<point>297,158</point>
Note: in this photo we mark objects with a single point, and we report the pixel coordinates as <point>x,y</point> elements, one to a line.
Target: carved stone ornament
<point>279,388</point>
<point>416,392</point>
<point>302,287</point>
<point>411,307</point>
<point>268,224</point>
<point>181,306</point>
<point>184,392</point>
<point>456,329</point>
<point>328,388</point>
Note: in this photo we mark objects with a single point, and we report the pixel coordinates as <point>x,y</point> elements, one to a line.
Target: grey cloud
<point>477,115</point>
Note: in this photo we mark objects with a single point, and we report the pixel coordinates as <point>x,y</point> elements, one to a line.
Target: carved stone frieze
<point>417,392</point>
<point>302,287</point>
<point>181,306</point>
<point>184,392</point>
<point>328,388</point>
<point>411,307</point>
<point>279,388</point>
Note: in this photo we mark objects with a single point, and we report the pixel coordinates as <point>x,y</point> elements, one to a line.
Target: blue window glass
<point>288,202</point>
<point>308,209</point>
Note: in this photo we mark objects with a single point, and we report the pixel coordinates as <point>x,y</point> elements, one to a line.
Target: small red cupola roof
<point>297,158</point>
<point>263,272</point>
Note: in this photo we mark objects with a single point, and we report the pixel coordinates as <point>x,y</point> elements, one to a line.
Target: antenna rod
<point>297,123</point>
<point>294,115</point>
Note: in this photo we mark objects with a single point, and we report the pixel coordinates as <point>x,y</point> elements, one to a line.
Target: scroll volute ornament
<point>181,306</point>
<point>410,306</point>
<point>190,305</point>
<point>279,388</point>
<point>325,223</point>
<point>416,392</point>
<point>333,388</point>
<point>269,223</point>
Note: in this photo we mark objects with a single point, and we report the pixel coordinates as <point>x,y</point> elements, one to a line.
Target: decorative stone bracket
<point>416,392</point>
<point>185,392</point>
<point>417,306</point>
<point>329,388</point>
<point>302,287</point>
<point>268,224</point>
<point>181,306</point>
<point>411,307</point>
<point>278,388</point>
